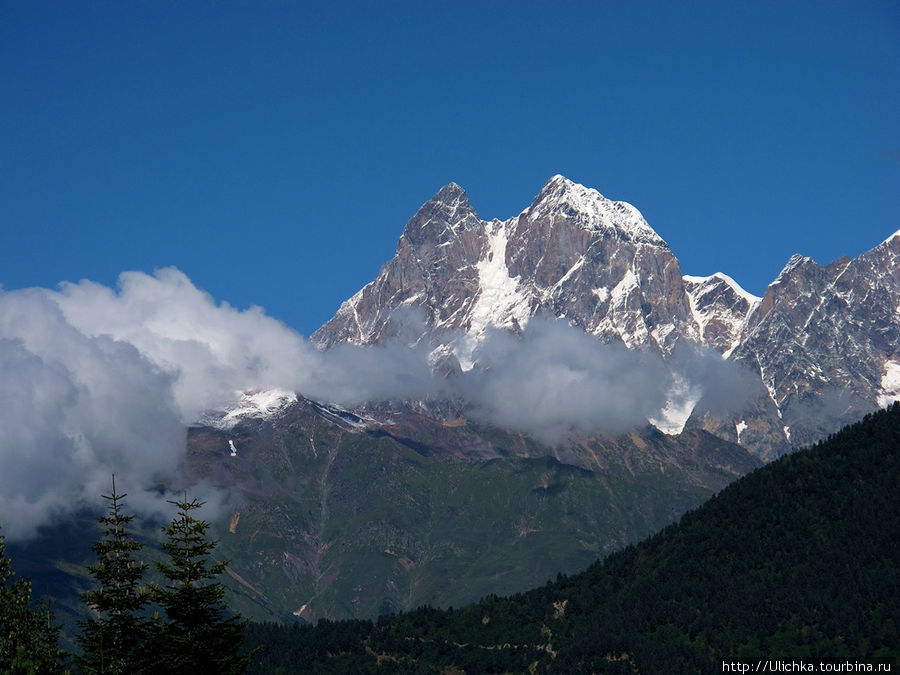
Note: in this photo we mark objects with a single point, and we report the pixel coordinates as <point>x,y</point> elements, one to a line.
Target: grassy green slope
<point>330,523</point>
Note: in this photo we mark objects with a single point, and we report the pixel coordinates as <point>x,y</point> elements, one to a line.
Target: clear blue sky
<point>273,151</point>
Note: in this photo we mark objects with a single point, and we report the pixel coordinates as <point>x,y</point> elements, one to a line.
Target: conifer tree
<point>199,636</point>
<point>112,642</point>
<point>28,637</point>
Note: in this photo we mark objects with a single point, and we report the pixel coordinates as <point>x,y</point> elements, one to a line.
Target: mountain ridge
<point>599,266</point>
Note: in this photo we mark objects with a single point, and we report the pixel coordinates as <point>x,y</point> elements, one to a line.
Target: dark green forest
<point>796,561</point>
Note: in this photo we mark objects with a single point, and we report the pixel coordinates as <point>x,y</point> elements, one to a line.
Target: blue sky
<point>273,151</point>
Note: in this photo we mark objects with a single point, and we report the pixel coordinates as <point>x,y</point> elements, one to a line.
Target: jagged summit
<point>451,190</point>
<point>720,307</point>
<point>720,277</point>
<point>452,196</point>
<point>824,343</point>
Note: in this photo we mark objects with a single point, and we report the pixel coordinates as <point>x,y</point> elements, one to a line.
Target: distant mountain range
<point>818,350</point>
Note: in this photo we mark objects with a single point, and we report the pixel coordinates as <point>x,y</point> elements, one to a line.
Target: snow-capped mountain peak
<point>821,345</point>
<point>563,198</point>
<point>573,253</point>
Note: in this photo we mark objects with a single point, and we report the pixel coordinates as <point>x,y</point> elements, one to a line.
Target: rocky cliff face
<point>820,346</point>
<point>720,308</point>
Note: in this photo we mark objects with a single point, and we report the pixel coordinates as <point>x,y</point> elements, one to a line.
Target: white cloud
<point>98,380</point>
<point>73,409</point>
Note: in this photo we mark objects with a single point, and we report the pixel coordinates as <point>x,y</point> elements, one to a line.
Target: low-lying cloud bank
<point>98,380</point>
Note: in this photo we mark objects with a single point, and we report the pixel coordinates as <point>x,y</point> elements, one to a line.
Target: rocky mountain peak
<point>450,192</point>
<point>795,262</point>
<point>796,278</point>
<point>823,342</point>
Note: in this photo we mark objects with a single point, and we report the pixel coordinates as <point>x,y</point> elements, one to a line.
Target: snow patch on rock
<point>739,428</point>
<point>500,300</point>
